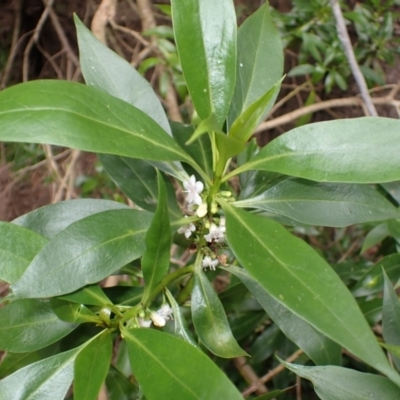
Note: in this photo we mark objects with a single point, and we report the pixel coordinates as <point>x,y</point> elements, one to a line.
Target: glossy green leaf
<point>205,35</point>
<point>104,69</point>
<point>303,282</point>
<point>138,180</point>
<point>73,312</point>
<point>84,118</point>
<point>54,218</point>
<point>91,367</point>
<point>259,61</point>
<point>48,379</point>
<point>246,123</point>
<point>372,281</point>
<point>265,344</point>
<point>347,150</point>
<point>118,387</point>
<point>337,383</point>
<point>29,325</point>
<point>18,247</point>
<point>180,324</point>
<point>200,150</point>
<point>85,252</point>
<point>318,347</point>
<point>372,310</point>
<point>12,362</point>
<point>210,320</point>
<point>375,236</point>
<point>393,189</point>
<point>155,260</point>
<point>323,204</point>
<point>273,394</point>
<point>124,295</point>
<point>91,295</point>
<point>391,316</point>
<point>395,350</point>
<point>169,368</point>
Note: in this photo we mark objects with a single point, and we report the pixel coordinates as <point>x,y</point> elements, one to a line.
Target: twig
<point>271,374</point>
<point>104,14</point>
<point>249,375</point>
<point>348,49</point>
<point>323,105</point>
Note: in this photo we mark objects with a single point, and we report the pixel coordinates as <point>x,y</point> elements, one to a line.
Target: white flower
<point>144,323</point>
<point>165,311</point>
<point>201,210</point>
<point>187,229</point>
<point>216,233</point>
<point>157,319</point>
<point>209,262</point>
<point>193,190</point>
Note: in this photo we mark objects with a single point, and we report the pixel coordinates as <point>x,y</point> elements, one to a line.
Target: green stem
<point>165,282</point>
<point>185,292</point>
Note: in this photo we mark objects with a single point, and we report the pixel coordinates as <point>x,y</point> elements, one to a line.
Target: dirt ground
<point>35,43</point>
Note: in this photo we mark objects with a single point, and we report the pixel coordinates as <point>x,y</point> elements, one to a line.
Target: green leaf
<point>259,62</point>
<point>303,282</point>
<point>118,387</point>
<point>318,347</point>
<point>85,252</point>
<point>246,123</point>
<point>273,394</point>
<point>18,247</point>
<point>346,150</point>
<point>91,295</point>
<point>91,367</point>
<point>169,368</point>
<point>138,180</point>
<point>265,344</point>
<point>155,260</point>
<point>104,69</point>
<point>337,383</point>
<point>375,236</point>
<point>29,325</point>
<point>210,320</point>
<point>48,379</point>
<point>73,312</point>
<point>54,218</point>
<point>323,204</point>
<point>205,35</point>
<point>391,316</point>
<point>74,115</point>
<point>372,281</point>
<point>395,350</point>
<point>200,150</point>
<point>124,295</point>
<point>180,324</point>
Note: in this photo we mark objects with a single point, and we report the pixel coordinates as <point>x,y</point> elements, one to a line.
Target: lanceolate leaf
<point>337,383</point>
<point>391,316</point>
<point>155,261</point>
<point>138,180</point>
<point>28,325</point>
<point>210,320</point>
<point>169,368</point>
<point>205,35</point>
<point>90,295</point>
<point>48,379</point>
<point>318,347</point>
<point>303,282</point>
<point>324,204</point>
<point>347,150</point>
<point>83,117</point>
<point>259,61</point>
<point>54,218</point>
<point>91,366</point>
<point>375,236</point>
<point>18,247</point>
<point>118,387</point>
<point>86,252</point>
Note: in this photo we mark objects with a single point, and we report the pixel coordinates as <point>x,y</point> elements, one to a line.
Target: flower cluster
<point>159,317</point>
<point>216,233</point>
<point>193,189</point>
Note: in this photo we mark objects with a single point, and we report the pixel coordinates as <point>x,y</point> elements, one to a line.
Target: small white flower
<point>144,323</point>
<point>165,311</point>
<point>209,262</point>
<point>157,319</point>
<point>187,229</point>
<point>216,233</point>
<point>201,210</point>
<point>193,190</point>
